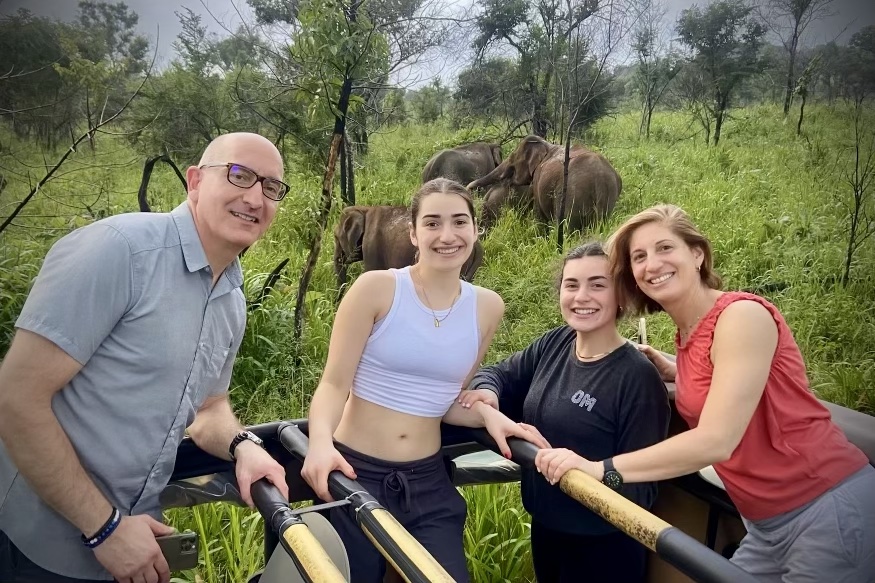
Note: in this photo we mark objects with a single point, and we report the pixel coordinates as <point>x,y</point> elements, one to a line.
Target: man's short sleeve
<point>83,289</point>
<point>224,382</point>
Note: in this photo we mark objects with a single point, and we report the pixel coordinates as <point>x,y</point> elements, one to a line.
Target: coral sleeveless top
<point>791,452</point>
<point>409,364</point>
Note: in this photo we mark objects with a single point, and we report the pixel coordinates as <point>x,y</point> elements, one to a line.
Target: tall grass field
<point>773,203</point>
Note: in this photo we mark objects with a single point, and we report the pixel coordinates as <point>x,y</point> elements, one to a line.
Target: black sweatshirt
<point>597,409</point>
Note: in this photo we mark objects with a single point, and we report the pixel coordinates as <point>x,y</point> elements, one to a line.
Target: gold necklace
<point>594,356</point>
<point>437,321</point>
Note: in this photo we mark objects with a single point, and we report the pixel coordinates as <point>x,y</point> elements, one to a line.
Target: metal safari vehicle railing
<point>287,443</point>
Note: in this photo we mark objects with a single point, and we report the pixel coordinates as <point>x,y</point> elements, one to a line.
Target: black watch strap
<point>240,438</point>
<point>611,477</point>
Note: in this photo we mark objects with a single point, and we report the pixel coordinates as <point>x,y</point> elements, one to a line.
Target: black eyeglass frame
<point>258,178</point>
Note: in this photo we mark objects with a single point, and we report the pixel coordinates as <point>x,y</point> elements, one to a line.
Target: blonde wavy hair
<point>632,299</point>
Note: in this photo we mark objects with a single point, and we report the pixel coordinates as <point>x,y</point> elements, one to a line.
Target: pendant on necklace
<point>437,323</point>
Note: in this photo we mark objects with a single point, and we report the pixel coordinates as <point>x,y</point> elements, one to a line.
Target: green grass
<point>769,200</point>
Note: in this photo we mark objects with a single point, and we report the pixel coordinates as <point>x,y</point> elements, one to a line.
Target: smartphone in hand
<point>180,549</point>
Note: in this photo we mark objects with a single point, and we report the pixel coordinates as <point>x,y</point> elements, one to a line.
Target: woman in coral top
<point>803,490</point>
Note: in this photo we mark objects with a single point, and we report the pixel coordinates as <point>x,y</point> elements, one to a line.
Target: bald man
<point>126,341</point>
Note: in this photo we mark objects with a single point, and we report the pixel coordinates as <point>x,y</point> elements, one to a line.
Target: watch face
<point>613,480</point>
<point>252,437</point>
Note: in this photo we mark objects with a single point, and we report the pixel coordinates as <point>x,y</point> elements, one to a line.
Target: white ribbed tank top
<point>411,366</point>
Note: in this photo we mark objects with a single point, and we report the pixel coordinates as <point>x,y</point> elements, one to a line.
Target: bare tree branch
<point>72,148</point>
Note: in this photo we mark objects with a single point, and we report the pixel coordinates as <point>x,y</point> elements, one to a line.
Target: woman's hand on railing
<point>468,397</point>
<point>555,463</point>
<point>667,369</point>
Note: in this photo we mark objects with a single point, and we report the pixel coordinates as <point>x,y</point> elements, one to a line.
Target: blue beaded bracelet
<point>106,530</point>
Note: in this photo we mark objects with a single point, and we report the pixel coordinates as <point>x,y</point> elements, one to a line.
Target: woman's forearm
<point>326,411</point>
<point>682,454</point>
<point>465,417</point>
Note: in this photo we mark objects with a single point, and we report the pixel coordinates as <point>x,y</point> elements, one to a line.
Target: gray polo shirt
<point>129,297</point>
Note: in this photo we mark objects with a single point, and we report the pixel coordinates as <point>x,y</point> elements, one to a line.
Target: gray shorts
<point>831,539</point>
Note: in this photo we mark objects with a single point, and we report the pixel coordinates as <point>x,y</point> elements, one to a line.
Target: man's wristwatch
<point>240,438</point>
<point>611,478</point>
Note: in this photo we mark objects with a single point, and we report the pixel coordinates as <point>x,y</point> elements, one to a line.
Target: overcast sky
<point>158,19</point>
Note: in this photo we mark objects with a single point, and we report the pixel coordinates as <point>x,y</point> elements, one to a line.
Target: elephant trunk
<point>340,266</point>
<point>490,178</point>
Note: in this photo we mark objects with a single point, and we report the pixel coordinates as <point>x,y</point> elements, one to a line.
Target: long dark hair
<point>588,249</point>
<point>443,185</point>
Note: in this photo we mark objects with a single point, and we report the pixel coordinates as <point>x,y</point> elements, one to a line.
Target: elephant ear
<point>496,154</point>
<point>353,226</point>
<point>535,151</point>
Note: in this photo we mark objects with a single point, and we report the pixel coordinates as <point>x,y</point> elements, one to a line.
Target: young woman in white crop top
<point>403,345</point>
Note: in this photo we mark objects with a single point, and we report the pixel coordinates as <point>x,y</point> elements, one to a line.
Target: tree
<point>32,95</point>
<point>859,176</point>
<point>334,65</point>
<point>724,40</point>
<point>193,47</point>
<point>691,90</point>
<point>767,85</point>
<point>541,34</point>
<point>89,133</point>
<point>788,19</point>
<point>487,90</point>
<point>802,89</point>
<point>393,109</point>
<point>77,72</point>
<point>655,69</point>
<point>199,96</point>
<point>104,53</point>
<point>430,102</point>
<point>110,36</point>
<point>859,65</point>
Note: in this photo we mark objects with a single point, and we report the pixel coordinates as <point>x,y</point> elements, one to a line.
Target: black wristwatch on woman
<point>240,438</point>
<point>611,478</point>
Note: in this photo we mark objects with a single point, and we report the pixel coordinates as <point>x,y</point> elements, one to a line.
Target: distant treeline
<point>538,66</point>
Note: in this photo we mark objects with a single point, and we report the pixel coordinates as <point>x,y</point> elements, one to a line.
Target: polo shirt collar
<point>193,250</point>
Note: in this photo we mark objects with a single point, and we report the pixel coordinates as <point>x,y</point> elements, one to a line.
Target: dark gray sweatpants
<point>421,496</point>
<point>828,540</point>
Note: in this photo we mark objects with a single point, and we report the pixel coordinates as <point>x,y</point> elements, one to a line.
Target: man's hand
<point>254,463</point>
<point>468,398</point>
<point>500,428</point>
<point>131,553</point>
<point>318,463</point>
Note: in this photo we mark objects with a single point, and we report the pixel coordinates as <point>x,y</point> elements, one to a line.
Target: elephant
<point>593,184</point>
<point>379,236</point>
<point>463,163</point>
<point>501,194</point>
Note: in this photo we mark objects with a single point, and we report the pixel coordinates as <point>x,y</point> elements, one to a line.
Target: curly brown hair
<point>675,219</point>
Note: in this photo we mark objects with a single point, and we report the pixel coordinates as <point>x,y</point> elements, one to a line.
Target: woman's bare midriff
<point>386,434</point>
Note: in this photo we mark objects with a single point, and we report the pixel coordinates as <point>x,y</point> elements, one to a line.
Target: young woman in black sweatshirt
<point>592,394</point>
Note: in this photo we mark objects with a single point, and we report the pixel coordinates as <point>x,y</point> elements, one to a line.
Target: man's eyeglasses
<point>244,177</point>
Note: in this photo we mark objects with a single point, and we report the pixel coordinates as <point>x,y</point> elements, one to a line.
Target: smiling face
<point>587,298</point>
<point>444,232</point>
<point>664,266</point>
<point>230,218</point>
